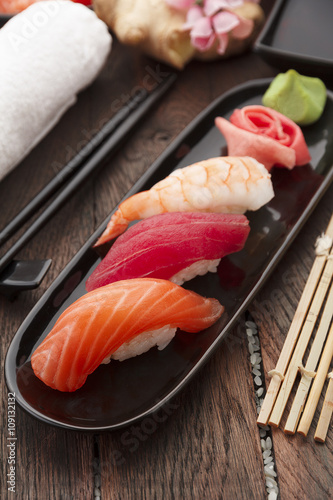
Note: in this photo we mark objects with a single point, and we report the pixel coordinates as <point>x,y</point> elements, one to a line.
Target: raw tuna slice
<point>266,135</point>
<point>176,246</point>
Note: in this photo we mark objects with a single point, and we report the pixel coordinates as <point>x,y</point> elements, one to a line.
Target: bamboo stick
<point>311,365</point>
<point>293,333</point>
<point>302,344</point>
<point>317,386</point>
<point>325,414</point>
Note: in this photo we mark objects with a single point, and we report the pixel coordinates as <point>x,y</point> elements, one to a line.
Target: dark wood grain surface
<point>205,443</point>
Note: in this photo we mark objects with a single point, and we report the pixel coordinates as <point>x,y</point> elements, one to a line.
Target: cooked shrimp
<point>221,185</point>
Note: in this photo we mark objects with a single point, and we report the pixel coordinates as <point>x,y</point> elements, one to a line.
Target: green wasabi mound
<point>300,98</point>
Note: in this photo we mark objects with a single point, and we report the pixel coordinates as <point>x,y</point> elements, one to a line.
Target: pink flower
<point>213,6</point>
<point>225,22</point>
<point>201,30</point>
<point>202,35</point>
<point>194,14</point>
<point>211,20</point>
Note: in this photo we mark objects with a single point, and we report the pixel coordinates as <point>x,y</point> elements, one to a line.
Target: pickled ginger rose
<point>266,135</point>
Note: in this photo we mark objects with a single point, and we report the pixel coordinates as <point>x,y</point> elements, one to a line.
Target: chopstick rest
<point>48,53</point>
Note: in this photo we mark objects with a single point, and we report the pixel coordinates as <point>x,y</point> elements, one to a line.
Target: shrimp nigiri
<point>118,321</point>
<point>221,185</point>
<point>177,246</point>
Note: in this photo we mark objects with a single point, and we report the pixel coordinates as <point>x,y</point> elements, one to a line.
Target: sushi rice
<point>199,268</point>
<point>142,343</point>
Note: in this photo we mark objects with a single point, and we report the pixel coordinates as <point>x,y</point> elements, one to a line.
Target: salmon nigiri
<point>118,321</point>
<point>218,185</point>
<point>176,246</point>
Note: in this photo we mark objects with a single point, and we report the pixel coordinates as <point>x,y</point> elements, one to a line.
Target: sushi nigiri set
<point>173,245</point>
<point>158,291</point>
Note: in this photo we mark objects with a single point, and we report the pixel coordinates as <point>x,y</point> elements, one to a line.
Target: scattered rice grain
<point>265,442</point>
<point>262,433</point>
<point>268,443</point>
<point>273,488</point>
<point>253,359</point>
<point>270,482</point>
<point>269,471</point>
<point>272,495</point>
<point>260,391</point>
<point>249,332</point>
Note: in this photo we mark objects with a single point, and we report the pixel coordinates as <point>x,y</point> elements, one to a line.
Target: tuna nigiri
<point>220,185</point>
<point>176,246</point>
<point>118,321</point>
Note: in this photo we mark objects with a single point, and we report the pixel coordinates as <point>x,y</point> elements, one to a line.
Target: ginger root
<point>149,24</point>
<point>157,29</point>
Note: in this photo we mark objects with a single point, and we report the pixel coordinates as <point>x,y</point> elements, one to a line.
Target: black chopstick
<point>75,164</point>
<point>84,164</point>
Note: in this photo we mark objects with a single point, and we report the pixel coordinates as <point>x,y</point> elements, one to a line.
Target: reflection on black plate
<point>298,35</point>
<point>122,392</point>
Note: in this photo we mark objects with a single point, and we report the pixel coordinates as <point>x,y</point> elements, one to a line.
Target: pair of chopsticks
<point>80,168</point>
<point>316,301</point>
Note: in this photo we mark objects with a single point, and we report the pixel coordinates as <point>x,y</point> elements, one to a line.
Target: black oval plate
<point>298,35</point>
<point>120,393</point>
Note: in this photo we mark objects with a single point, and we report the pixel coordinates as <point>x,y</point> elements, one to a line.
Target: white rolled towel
<point>48,53</point>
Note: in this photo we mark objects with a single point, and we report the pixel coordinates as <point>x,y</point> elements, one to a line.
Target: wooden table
<point>208,444</point>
